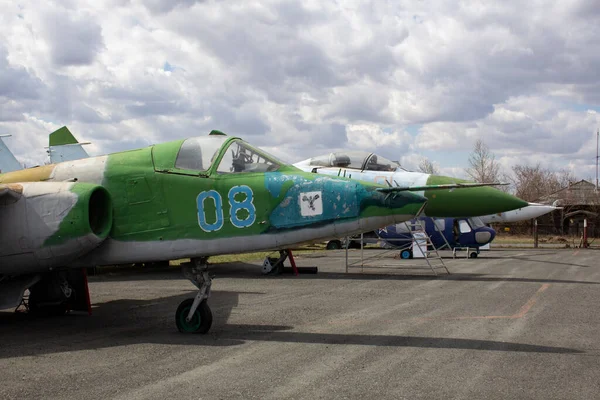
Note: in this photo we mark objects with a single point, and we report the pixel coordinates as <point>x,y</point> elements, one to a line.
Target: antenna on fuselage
<point>597,138</point>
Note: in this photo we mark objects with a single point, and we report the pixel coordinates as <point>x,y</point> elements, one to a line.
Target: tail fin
<point>8,162</point>
<point>64,146</point>
<point>61,137</point>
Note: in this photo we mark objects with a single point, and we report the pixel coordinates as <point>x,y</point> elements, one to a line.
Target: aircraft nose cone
<point>484,237</point>
<point>469,202</point>
<point>499,199</point>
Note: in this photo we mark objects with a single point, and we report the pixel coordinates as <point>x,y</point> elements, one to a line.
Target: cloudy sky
<point>407,79</point>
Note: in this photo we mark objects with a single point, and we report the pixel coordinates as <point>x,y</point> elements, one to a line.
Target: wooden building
<point>579,201</point>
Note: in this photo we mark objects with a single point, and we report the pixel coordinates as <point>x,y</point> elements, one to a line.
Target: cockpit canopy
<point>197,154</point>
<point>361,160</point>
<point>200,153</point>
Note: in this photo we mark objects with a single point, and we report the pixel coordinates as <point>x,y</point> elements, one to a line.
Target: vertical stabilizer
<point>64,146</point>
<point>8,162</point>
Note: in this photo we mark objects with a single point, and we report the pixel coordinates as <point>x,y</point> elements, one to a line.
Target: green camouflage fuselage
<point>161,212</point>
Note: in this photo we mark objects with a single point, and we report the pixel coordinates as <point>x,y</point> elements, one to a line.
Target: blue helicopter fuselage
<point>457,232</point>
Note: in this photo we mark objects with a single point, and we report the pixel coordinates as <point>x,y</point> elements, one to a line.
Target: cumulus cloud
<point>164,6</point>
<point>19,90</point>
<point>16,83</point>
<point>74,38</point>
<point>301,78</point>
<point>524,130</point>
<point>372,137</point>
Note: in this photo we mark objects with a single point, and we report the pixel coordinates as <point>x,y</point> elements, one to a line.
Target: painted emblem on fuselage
<point>311,204</point>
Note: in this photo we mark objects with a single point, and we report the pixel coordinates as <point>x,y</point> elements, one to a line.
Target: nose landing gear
<point>194,315</point>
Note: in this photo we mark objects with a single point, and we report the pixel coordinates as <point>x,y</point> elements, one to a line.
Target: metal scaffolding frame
<point>420,239</point>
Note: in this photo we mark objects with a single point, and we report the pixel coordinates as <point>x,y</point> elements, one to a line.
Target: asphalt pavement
<point>511,324</point>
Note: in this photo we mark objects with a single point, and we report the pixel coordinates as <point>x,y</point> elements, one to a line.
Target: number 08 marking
<point>234,207</point>
<point>216,197</point>
<point>245,204</point>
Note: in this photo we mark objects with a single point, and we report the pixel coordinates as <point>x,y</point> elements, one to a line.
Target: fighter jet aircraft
<point>190,198</point>
<point>475,200</point>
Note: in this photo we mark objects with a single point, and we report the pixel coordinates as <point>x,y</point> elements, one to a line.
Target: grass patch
<point>257,256</point>
<point>567,241</point>
<point>220,259</point>
<point>513,239</point>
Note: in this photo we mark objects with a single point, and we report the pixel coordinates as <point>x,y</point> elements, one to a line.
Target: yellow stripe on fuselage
<point>35,174</point>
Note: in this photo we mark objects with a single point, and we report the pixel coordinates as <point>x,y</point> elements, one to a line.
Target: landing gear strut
<point>274,266</point>
<point>194,315</point>
<point>57,293</point>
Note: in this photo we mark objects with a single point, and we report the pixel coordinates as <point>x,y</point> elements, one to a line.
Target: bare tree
<point>506,178</point>
<point>566,177</point>
<point>533,182</point>
<point>428,167</point>
<point>483,166</point>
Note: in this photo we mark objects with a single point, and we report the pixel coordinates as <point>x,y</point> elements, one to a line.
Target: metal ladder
<point>423,241</point>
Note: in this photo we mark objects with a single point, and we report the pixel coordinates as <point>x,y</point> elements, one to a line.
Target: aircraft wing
<point>64,147</point>
<point>447,186</point>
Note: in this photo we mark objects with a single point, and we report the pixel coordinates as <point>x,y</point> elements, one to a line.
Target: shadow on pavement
<point>130,322</point>
<point>253,271</point>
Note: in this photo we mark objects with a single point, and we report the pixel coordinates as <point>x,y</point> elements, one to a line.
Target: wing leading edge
<point>446,186</point>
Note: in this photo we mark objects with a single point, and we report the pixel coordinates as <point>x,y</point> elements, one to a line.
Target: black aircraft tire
<point>473,255</point>
<point>201,321</point>
<point>42,304</point>
<point>354,244</point>
<point>334,245</point>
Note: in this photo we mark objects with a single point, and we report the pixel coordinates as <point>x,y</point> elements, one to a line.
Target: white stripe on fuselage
<point>88,170</point>
<point>121,252</point>
<point>396,178</point>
